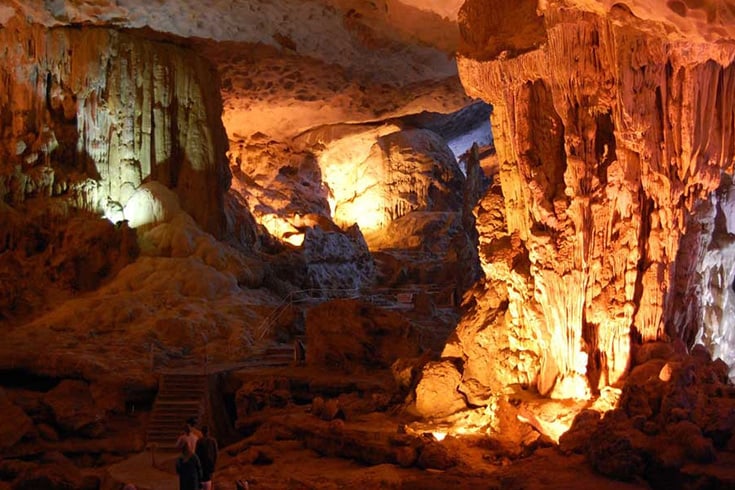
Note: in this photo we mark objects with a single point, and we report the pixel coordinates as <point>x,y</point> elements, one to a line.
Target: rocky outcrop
<point>375,181</point>
<point>337,263</point>
<point>281,186</point>
<point>350,335</point>
<point>675,409</point>
<point>16,424</point>
<point>91,113</point>
<point>612,130</point>
<point>74,409</point>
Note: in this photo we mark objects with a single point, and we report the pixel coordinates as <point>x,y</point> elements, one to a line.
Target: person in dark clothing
<point>189,469</point>
<point>206,450</point>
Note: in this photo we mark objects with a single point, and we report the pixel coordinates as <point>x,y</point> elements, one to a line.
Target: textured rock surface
<point>74,410</point>
<point>288,66</point>
<point>608,148</point>
<point>15,425</point>
<point>437,392</point>
<point>349,335</point>
<point>337,262</point>
<point>92,113</point>
<point>374,183</point>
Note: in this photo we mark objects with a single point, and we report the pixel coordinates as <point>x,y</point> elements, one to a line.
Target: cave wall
<point>611,132</point>
<point>88,114</point>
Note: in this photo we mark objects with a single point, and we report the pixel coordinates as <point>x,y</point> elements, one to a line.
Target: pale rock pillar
<point>89,114</point>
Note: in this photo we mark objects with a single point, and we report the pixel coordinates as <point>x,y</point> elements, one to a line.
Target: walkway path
<point>139,471</point>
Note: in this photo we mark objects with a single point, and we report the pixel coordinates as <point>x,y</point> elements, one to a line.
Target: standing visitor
<point>192,423</point>
<point>189,470</point>
<point>187,438</point>
<point>206,450</point>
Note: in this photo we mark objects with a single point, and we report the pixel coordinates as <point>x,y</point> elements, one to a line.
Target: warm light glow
<point>571,387</point>
<point>439,436</point>
<point>283,230</point>
<point>480,421</point>
<point>552,418</point>
<point>351,169</point>
<point>151,203</point>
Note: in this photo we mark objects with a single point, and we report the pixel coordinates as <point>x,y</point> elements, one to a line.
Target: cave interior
<point>393,243</point>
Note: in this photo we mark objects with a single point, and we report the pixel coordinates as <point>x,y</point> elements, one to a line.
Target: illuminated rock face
<point>611,133</point>
<point>404,171</point>
<point>90,114</point>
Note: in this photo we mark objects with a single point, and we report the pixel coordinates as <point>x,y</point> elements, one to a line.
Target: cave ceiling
<point>288,66</point>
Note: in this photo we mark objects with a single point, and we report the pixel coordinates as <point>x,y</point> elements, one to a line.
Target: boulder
<point>55,476</point>
<point>14,424</point>
<point>436,456</point>
<point>687,435</point>
<point>74,409</point>
<point>612,454</point>
<point>351,334</point>
<point>337,261</point>
<point>261,393</point>
<point>579,434</point>
<point>437,391</point>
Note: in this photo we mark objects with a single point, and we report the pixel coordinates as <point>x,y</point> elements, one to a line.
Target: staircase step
<point>173,398</point>
<point>180,397</point>
<point>168,420</point>
<point>178,401</point>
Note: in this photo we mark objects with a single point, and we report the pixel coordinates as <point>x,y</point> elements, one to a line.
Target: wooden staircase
<point>181,396</point>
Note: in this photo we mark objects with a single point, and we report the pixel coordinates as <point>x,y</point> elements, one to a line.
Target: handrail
<point>293,297</point>
<point>301,296</point>
<point>305,295</point>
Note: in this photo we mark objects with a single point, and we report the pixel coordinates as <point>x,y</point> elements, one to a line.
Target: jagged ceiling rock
<point>92,113</point>
<point>612,122</point>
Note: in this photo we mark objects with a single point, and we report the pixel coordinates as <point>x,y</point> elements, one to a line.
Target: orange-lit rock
<point>437,393</point>
<point>291,66</point>
<point>337,262</point>
<point>608,146</point>
<point>395,174</point>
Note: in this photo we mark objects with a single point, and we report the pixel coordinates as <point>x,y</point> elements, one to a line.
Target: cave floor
<point>289,447</point>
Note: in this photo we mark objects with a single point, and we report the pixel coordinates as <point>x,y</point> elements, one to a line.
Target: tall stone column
<point>612,128</point>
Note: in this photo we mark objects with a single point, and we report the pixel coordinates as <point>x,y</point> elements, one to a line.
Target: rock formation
<point>613,128</point>
<point>600,233</point>
<point>90,114</point>
<point>374,183</point>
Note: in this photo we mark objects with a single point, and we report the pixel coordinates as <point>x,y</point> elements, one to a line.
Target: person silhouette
<point>206,450</point>
<point>189,469</point>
